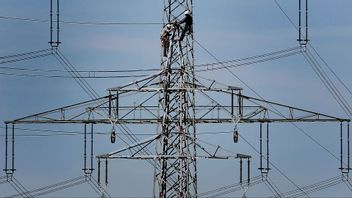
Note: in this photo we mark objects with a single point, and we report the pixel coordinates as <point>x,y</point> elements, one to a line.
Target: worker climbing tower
<point>177,176</point>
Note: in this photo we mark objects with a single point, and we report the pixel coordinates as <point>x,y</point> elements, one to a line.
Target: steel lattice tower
<point>169,103</point>
<point>178,109</point>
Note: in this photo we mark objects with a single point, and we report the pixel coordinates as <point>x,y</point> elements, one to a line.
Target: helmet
<point>187,12</point>
<point>168,26</point>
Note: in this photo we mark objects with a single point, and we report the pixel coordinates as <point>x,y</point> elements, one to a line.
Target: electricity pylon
<point>170,102</point>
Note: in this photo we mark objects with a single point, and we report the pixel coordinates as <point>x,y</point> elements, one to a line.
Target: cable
<point>233,74</point>
<point>54,187</point>
<point>296,126</point>
<point>316,52</point>
<point>272,187</point>
<point>81,82</point>
<point>79,71</point>
<point>24,54</point>
<point>25,58</point>
<point>75,133</point>
<point>272,164</point>
<point>312,187</point>
<point>217,190</point>
<point>329,85</point>
<point>94,184</point>
<point>20,189</point>
<point>92,74</point>
<point>330,69</point>
<point>300,129</point>
<point>90,91</point>
<point>250,60</point>
<point>79,22</point>
<point>251,57</point>
<point>63,76</point>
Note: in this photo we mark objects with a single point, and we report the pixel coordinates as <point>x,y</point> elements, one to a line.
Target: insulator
<point>235,135</point>
<point>113,136</point>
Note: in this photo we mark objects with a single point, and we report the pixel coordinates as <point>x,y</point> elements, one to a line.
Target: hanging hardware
<point>235,135</point>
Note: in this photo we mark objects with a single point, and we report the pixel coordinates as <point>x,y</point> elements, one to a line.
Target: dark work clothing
<point>165,40</point>
<point>188,21</point>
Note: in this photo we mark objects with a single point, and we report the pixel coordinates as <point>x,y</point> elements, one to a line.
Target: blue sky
<point>230,29</point>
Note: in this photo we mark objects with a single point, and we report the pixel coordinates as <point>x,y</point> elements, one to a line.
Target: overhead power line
<point>105,74</point>
<point>235,76</point>
<point>74,77</point>
<point>51,133</point>
<point>100,23</point>
<point>328,83</point>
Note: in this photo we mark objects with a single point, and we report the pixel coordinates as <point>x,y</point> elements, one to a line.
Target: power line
<point>80,71</point>
<point>341,103</point>
<point>101,23</point>
<point>92,74</point>
<point>278,52</point>
<point>271,163</point>
<point>63,76</point>
<point>233,74</point>
<point>41,132</point>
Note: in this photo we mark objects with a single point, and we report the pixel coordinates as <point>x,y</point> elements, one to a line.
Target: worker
<point>188,27</point>
<point>165,38</point>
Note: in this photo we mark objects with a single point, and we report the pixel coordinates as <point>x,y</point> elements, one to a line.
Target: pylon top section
<point>175,9</point>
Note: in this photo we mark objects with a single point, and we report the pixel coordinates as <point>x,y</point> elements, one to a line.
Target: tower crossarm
<point>106,110</point>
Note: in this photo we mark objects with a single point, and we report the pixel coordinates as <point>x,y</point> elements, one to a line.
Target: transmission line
<point>234,75</point>
<point>101,23</point>
<point>25,56</point>
<point>92,74</point>
<point>75,133</point>
<point>325,63</point>
<point>249,60</point>
<point>64,76</point>
<point>327,82</point>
